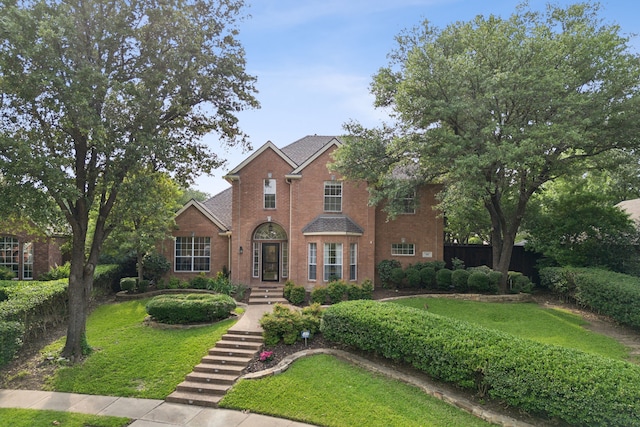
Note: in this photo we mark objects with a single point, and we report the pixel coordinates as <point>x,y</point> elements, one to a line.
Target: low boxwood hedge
<point>10,340</point>
<point>190,308</point>
<point>574,386</point>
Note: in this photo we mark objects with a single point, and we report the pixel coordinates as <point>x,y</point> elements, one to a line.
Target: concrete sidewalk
<point>145,412</point>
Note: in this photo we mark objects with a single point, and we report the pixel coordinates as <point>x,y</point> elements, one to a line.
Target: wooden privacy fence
<point>477,255</point>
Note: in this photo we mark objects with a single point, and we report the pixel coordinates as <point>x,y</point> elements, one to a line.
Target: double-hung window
<point>409,203</point>
<point>313,261</point>
<point>353,261</point>
<point>333,196</point>
<point>269,193</point>
<point>332,261</point>
<point>10,254</point>
<point>193,253</point>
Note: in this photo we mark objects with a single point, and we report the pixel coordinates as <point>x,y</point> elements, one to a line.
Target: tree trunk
<point>80,284</point>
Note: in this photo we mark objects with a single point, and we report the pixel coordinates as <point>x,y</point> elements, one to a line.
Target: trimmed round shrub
<point>354,292</point>
<point>288,286</point>
<point>286,324</point>
<point>367,289</point>
<point>479,282</point>
<point>494,279</point>
<point>319,294</point>
<point>297,295</point>
<point>384,271</point>
<point>459,280</point>
<point>199,282</point>
<point>337,291</point>
<point>413,277</point>
<point>428,277</point>
<point>190,308</point>
<point>397,277</point>
<point>443,278</point>
<point>128,284</point>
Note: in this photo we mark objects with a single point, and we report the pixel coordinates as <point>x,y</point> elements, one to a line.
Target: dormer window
<point>269,193</point>
<point>333,196</point>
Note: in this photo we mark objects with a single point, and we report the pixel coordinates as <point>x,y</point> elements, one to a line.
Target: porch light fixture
<point>241,250</point>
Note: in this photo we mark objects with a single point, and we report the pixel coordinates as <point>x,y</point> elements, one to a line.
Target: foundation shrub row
<point>575,387</point>
<point>434,276</point>
<point>332,293</point>
<point>616,295</point>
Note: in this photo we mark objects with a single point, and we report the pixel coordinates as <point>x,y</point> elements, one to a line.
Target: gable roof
<point>204,211</point>
<point>305,148</point>
<point>220,206</point>
<point>266,146</point>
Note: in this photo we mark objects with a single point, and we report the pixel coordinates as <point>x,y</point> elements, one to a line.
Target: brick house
<point>287,217</point>
<point>28,251</point>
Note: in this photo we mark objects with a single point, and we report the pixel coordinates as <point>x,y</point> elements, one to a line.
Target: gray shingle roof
<point>333,224</point>
<point>300,150</point>
<point>220,205</point>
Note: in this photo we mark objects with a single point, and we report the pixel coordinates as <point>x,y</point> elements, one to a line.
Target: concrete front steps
<point>267,294</point>
<point>218,370</point>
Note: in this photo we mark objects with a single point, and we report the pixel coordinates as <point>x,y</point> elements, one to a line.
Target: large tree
<point>497,107</point>
<point>95,90</point>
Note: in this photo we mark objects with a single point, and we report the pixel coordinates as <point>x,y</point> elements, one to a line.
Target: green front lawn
<point>132,359</point>
<point>327,391</point>
<point>525,320</point>
<point>10,417</point>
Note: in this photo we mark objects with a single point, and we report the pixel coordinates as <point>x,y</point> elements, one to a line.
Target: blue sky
<point>314,60</point>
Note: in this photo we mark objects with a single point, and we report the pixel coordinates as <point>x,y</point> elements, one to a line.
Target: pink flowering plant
<point>266,356</point>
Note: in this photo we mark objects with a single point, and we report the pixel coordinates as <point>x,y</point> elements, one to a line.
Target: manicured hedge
<point>10,340</point>
<point>576,387</point>
<point>286,324</point>
<point>616,295</point>
<point>190,308</point>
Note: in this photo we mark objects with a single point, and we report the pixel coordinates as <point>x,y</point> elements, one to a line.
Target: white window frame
<point>256,260</point>
<point>312,263</point>
<point>332,201</point>
<point>332,266</point>
<point>27,261</point>
<point>403,249</point>
<point>10,254</point>
<point>269,194</point>
<point>408,204</point>
<point>353,261</point>
<point>195,250</point>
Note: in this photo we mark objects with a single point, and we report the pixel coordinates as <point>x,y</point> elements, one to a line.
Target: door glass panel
<point>270,262</point>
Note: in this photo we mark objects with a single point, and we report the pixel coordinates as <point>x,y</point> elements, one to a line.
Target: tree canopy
<point>495,107</point>
<point>95,90</point>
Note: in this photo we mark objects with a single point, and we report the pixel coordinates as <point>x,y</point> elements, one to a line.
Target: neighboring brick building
<point>27,251</point>
<point>287,217</point>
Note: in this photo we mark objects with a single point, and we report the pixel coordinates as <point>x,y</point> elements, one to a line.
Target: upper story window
<point>333,196</point>
<point>269,193</point>
<point>193,253</point>
<point>409,203</point>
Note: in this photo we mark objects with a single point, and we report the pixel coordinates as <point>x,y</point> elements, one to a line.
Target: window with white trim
<point>10,254</point>
<point>409,203</point>
<point>332,261</point>
<point>403,249</point>
<point>285,259</point>
<point>269,194</point>
<point>27,260</point>
<point>256,260</point>
<point>333,196</point>
<point>313,261</point>
<point>353,261</point>
<point>193,253</point>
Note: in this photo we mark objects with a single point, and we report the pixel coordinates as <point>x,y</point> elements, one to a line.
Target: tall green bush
<point>459,280</point>
<point>427,277</point>
<point>443,279</point>
<point>385,267</point>
<point>576,387</point>
<point>10,340</point>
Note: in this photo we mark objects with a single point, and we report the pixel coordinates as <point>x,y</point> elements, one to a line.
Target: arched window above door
<point>270,231</point>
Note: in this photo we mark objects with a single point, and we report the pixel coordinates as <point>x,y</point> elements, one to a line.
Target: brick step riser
<point>238,345</point>
<point>243,338</point>
<point>217,360</point>
<point>205,378</point>
<point>211,369</point>
<point>203,388</point>
<point>231,352</point>
<point>193,399</point>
